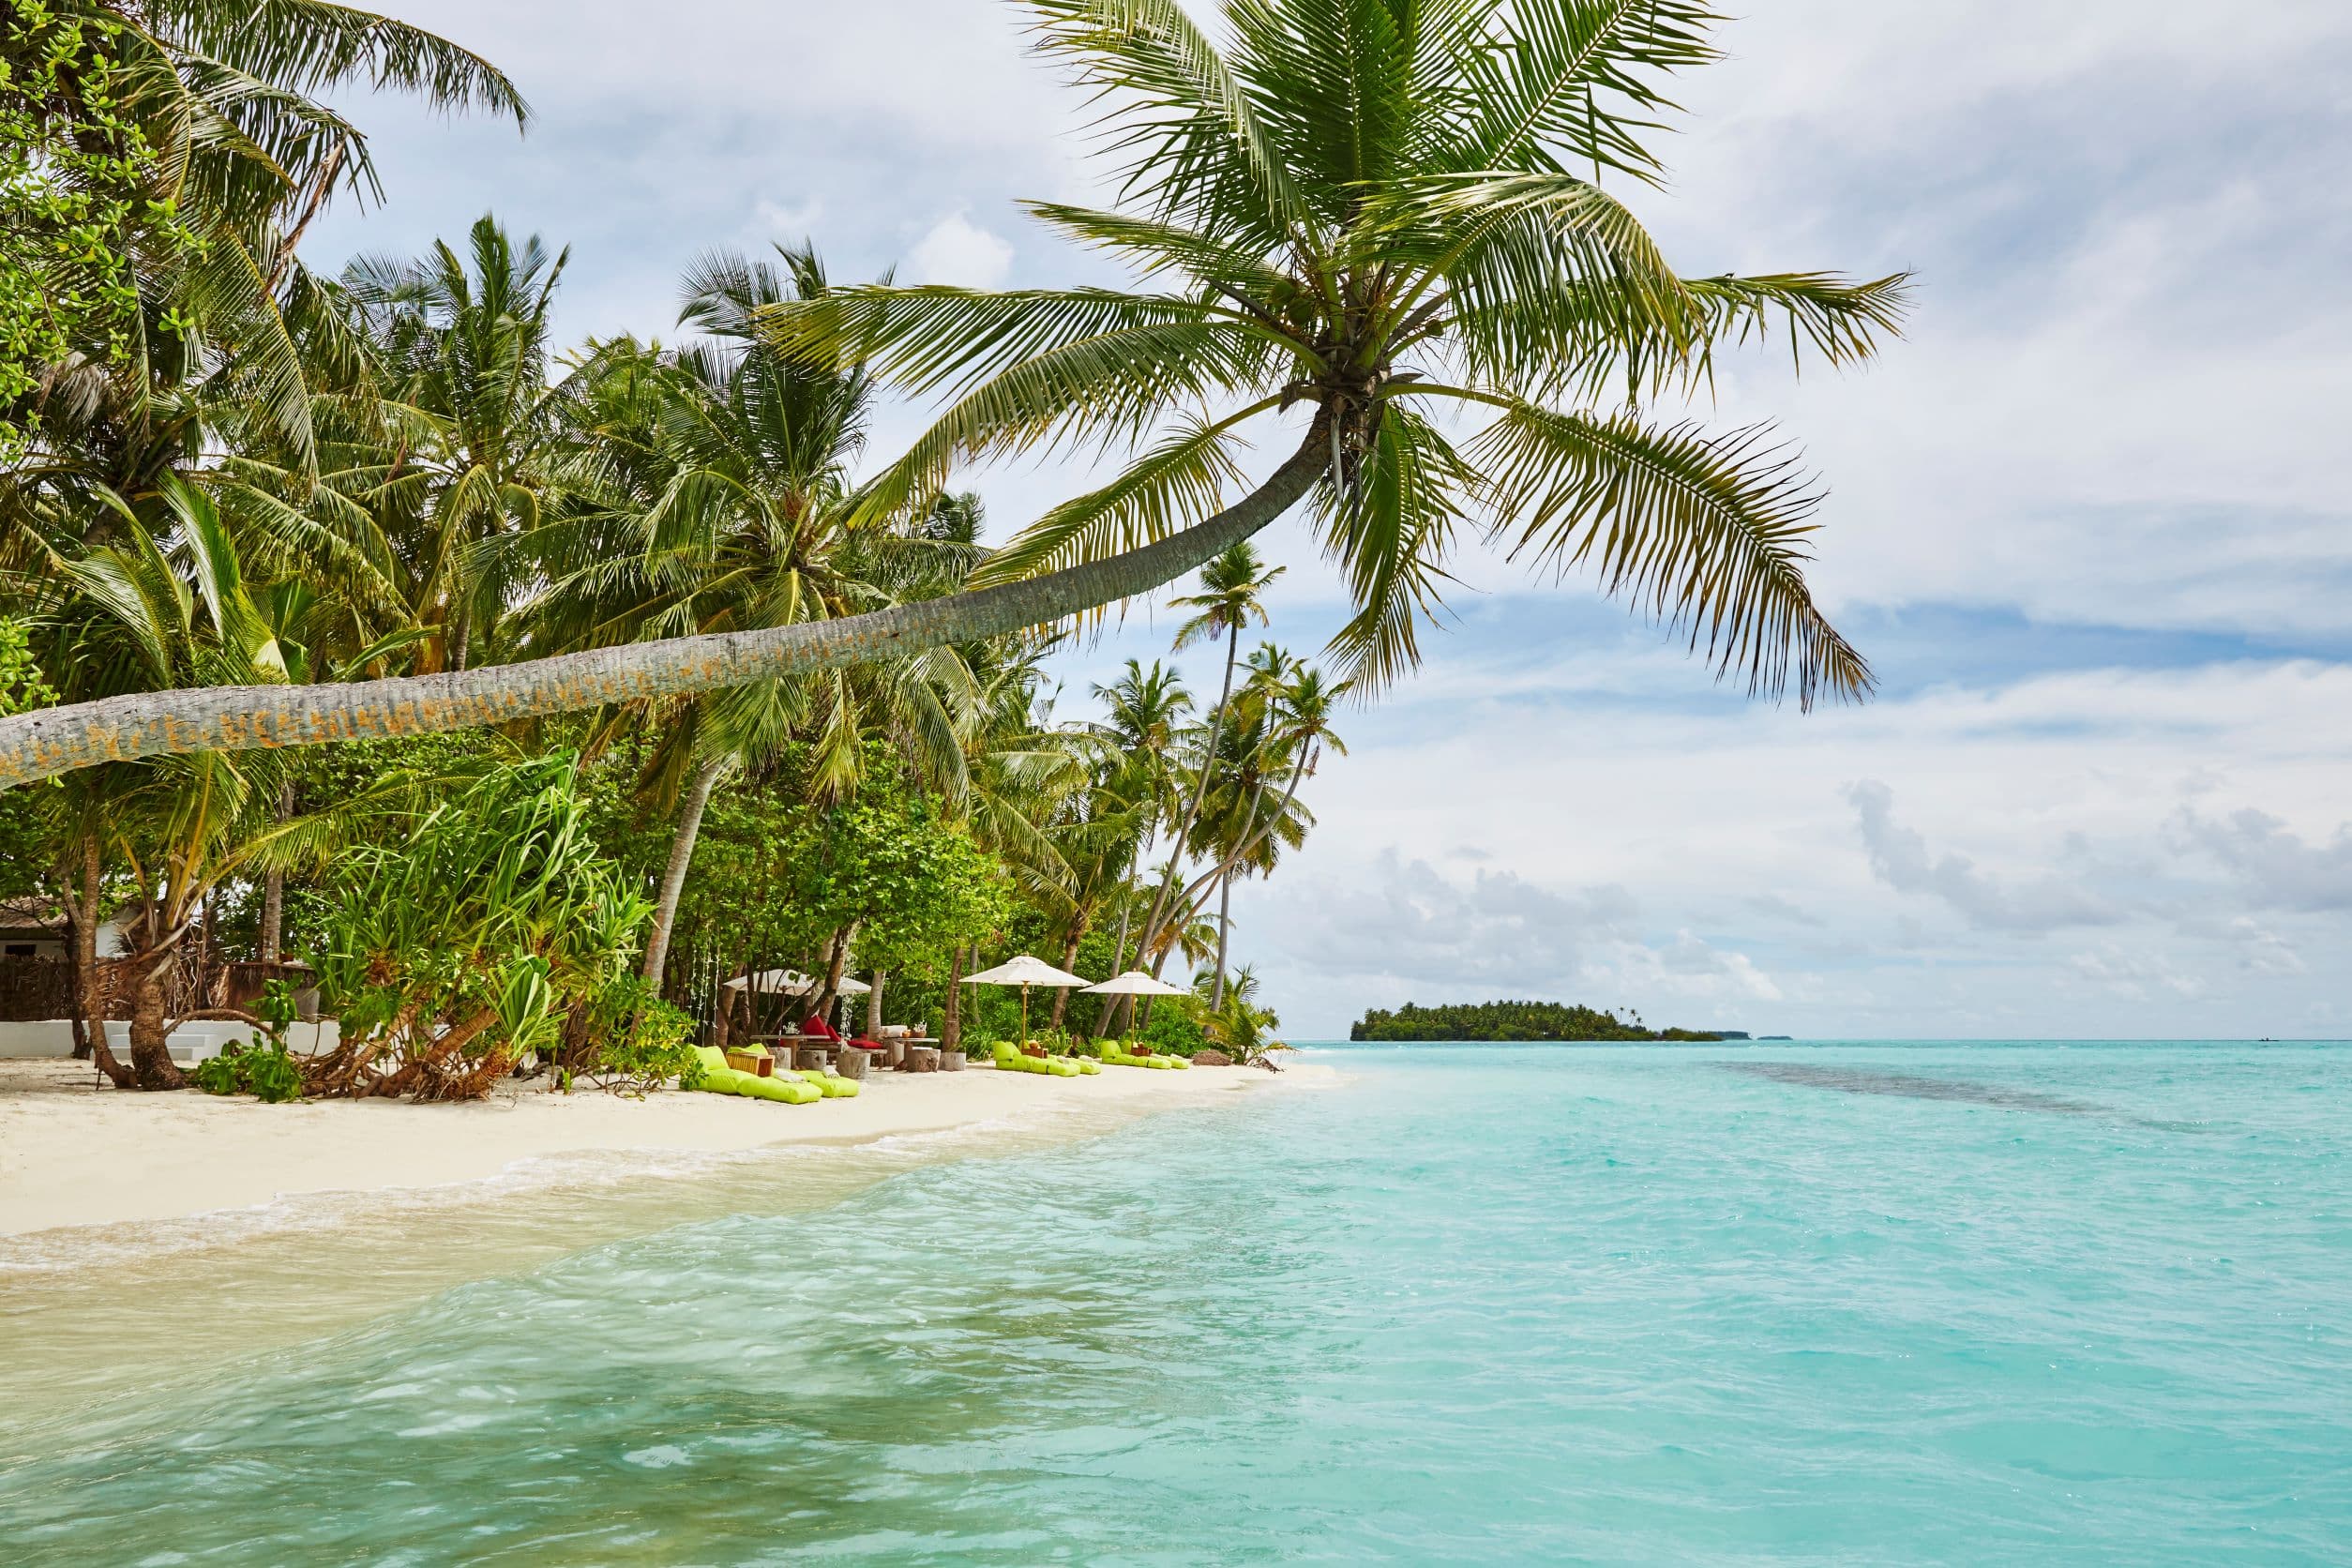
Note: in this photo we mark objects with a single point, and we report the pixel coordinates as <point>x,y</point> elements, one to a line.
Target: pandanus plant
<point>1362,216</point>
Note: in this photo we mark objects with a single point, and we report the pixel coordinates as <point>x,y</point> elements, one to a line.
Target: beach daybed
<point>1119,1056</point>
<point>831,1085</point>
<point>1009,1059</point>
<point>719,1079</point>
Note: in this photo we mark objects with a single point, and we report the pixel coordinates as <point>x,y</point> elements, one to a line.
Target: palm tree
<point>472,425</point>
<point>1231,596</point>
<point>1360,211</point>
<point>1142,724</point>
<point>219,108</point>
<point>715,495</point>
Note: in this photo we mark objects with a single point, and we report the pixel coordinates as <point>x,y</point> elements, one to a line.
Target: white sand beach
<point>75,1154</point>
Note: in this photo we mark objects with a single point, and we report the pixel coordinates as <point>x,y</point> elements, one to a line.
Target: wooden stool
<point>852,1063</point>
<point>922,1059</point>
<point>950,1061</point>
<point>809,1059</point>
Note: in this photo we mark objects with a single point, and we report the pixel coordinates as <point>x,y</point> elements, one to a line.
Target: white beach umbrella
<point>791,981</point>
<point>1024,971</point>
<point>1134,982</point>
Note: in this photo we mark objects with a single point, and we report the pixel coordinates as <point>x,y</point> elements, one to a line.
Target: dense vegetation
<point>1508,1020</point>
<point>244,504</point>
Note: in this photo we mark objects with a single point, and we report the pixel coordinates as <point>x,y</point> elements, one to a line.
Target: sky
<point>2088,519</point>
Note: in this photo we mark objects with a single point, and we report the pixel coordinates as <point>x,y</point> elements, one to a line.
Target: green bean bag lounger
<point>1052,1067</point>
<point>719,1079</point>
<point>1117,1055</point>
<point>831,1085</point>
<point>828,1084</point>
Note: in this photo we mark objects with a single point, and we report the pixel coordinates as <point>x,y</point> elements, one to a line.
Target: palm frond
<point>1704,532</point>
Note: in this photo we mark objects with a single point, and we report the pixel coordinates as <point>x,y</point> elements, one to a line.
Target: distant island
<point>1511,1021</point>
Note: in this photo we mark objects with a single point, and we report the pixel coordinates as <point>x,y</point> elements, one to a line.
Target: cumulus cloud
<point>1899,857</point>
<point>957,250</point>
<point>2272,863</point>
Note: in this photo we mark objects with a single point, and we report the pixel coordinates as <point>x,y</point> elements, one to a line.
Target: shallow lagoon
<point>1847,1304</point>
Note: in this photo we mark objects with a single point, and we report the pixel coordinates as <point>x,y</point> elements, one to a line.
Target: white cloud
<point>956,251</point>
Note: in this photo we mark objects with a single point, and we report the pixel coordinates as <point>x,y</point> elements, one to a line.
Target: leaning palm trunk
<point>698,796</point>
<point>51,741</point>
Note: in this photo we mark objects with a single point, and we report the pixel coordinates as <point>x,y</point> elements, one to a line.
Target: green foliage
<point>461,949</point>
<point>1507,1020</point>
<point>76,178</point>
<point>22,685</point>
<point>637,1041</point>
<point>262,1070</point>
<point>1241,1028</point>
<point>1178,1027</point>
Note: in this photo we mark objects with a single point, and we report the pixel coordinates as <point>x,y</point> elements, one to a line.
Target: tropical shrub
<point>638,1042</point>
<point>458,953</point>
<point>1242,1029</point>
<point>1177,1026</point>
<point>265,1070</point>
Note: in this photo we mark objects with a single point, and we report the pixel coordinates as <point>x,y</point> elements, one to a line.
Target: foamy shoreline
<point>72,1156</point>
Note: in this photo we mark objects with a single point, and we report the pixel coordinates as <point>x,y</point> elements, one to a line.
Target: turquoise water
<point>1857,1304</point>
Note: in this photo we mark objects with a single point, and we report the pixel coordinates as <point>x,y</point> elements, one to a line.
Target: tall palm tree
<point>1363,212</point>
<point>1284,723</point>
<point>712,492</point>
<point>1231,597</point>
<point>473,422</point>
<point>1141,726</point>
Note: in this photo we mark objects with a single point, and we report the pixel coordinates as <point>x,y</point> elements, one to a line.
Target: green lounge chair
<point>828,1084</point>
<point>1119,1056</point>
<point>831,1085</point>
<point>1052,1067</point>
<point>719,1079</point>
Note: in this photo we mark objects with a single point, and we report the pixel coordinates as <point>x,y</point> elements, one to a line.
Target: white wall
<point>191,1041</point>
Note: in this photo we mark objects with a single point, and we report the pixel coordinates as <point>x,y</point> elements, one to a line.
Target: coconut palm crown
<point>1391,213</point>
<point>1379,216</point>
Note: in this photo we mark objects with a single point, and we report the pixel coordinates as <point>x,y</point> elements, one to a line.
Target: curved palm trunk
<point>674,876</point>
<point>51,741</point>
<point>150,1029</point>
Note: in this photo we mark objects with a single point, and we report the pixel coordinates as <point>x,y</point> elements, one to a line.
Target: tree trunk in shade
<point>273,937</point>
<point>51,741</point>
<point>1069,957</point>
<point>91,984</point>
<point>150,1031</point>
<point>690,808</point>
<point>951,1023</point>
<point>873,1006</point>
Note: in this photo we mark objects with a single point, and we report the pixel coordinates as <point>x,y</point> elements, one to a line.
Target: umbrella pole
<point>1024,1016</point>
